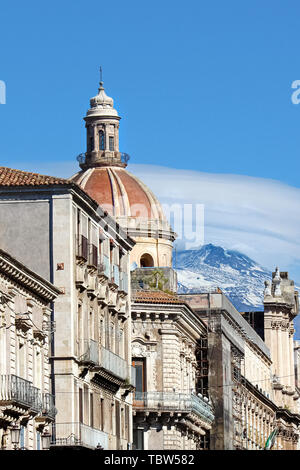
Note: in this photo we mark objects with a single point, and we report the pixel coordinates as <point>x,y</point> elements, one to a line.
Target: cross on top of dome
<point>101,104</point>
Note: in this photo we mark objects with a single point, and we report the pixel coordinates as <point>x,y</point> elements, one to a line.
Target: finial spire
<point>101,80</point>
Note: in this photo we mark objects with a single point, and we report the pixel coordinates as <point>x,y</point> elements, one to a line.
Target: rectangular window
<point>80,406</point>
<point>111,143</point>
<point>91,410</point>
<point>101,414</point>
<point>140,367</point>
<point>138,439</point>
<point>38,441</point>
<point>101,141</point>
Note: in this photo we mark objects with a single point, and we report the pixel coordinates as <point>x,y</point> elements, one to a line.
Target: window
<point>146,261</point>
<point>80,406</point>
<point>101,140</point>
<point>91,410</point>
<point>91,139</point>
<point>138,439</point>
<point>111,143</point>
<point>140,369</point>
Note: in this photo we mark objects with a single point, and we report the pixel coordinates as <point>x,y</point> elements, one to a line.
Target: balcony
<point>123,282</point>
<point>81,248</point>
<point>174,402</point>
<point>114,364</point>
<point>98,357</point>
<point>121,158</point>
<point>104,267</point>
<point>89,352</point>
<point>93,256</point>
<point>78,435</point>
<point>15,390</point>
<point>155,278</point>
<point>115,275</point>
<point>48,405</point>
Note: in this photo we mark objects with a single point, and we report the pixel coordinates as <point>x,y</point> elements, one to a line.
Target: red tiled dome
<point>120,193</point>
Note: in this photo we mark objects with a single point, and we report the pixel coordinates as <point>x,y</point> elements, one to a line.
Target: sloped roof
<point>157,297</point>
<point>12,177</point>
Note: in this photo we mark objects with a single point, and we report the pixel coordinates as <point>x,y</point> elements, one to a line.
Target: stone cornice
<point>23,276</point>
<point>179,313</point>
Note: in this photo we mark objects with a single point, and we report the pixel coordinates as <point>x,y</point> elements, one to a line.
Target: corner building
<point>55,228</point>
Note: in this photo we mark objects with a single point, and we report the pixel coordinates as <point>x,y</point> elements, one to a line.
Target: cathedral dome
<point>118,191</point>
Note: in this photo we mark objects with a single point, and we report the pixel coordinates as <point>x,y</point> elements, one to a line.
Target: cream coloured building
<point>241,379</point>
<point>26,399</point>
<point>169,412</point>
<point>63,233</point>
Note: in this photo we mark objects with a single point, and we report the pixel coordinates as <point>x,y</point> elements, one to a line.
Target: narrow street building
<point>26,402</point>
<point>250,389</point>
<point>64,235</point>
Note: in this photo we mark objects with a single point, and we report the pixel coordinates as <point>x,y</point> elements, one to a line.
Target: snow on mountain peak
<point>210,266</point>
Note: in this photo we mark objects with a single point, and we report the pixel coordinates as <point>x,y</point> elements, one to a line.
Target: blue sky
<point>201,86</point>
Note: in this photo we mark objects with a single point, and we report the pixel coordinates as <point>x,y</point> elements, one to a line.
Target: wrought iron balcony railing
<point>82,247</point>
<point>48,405</point>
<point>89,351</point>
<point>79,435</point>
<point>115,275</point>
<point>20,391</point>
<point>173,402</point>
<point>123,281</point>
<point>114,364</point>
<point>92,353</point>
<point>104,266</point>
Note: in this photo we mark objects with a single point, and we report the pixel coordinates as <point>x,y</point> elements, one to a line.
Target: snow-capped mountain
<point>239,277</point>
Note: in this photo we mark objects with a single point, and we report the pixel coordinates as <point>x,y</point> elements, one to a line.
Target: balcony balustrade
<point>116,275</point>
<point>93,255</point>
<point>182,402</point>
<point>78,435</point>
<point>104,266</point>
<point>82,247</point>
<point>89,351</point>
<point>16,390</point>
<point>101,358</point>
<point>114,364</point>
<point>48,405</point>
<point>123,281</point>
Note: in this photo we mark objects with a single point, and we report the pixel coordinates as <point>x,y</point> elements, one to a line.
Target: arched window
<point>146,261</point>
<point>101,140</point>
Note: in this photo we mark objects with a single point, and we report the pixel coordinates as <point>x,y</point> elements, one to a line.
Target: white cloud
<point>257,216</point>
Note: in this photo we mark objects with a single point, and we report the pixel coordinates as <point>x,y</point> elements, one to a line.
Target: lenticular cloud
<point>255,215</point>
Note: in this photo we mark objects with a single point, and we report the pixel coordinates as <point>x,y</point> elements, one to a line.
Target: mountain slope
<point>239,277</point>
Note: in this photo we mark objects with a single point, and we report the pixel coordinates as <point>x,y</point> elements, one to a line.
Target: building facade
<point>84,252</point>
<point>241,380</point>
<point>26,401</point>
<point>169,410</point>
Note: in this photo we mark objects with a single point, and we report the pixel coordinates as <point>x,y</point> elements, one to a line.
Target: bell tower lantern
<point>102,131</point>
